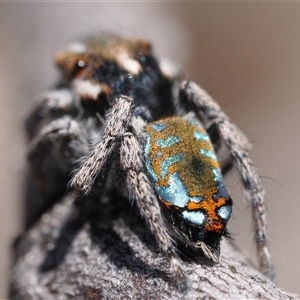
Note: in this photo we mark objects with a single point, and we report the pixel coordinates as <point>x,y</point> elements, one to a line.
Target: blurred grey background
<point>246,55</point>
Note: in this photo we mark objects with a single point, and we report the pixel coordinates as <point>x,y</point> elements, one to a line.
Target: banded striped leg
<point>117,120</point>
<point>237,145</point>
<point>140,190</point>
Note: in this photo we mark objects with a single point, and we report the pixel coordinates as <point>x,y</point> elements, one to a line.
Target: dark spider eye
<point>79,65</point>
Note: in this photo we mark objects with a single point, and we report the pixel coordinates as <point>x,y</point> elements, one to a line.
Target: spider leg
<point>223,154</point>
<point>51,158</point>
<point>50,105</point>
<point>238,146</point>
<point>117,120</point>
<point>139,189</point>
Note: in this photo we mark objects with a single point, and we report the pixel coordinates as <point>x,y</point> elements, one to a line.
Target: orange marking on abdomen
<point>209,206</point>
<point>216,226</point>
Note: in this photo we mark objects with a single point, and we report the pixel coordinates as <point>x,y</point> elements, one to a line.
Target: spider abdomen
<point>183,167</point>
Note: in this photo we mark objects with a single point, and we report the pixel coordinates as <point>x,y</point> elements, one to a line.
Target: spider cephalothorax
<point>159,137</point>
<point>102,68</point>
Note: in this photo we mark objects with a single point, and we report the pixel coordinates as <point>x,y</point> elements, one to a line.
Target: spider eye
<point>79,65</point>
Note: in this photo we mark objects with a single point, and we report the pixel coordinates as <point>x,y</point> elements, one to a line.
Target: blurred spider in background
<point>120,118</point>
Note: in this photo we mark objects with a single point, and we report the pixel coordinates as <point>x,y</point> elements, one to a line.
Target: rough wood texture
<point>113,256</point>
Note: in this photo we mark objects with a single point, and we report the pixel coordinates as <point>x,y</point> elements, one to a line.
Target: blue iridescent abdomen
<point>183,167</point>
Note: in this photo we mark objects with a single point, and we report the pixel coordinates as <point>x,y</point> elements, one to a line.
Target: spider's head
<point>94,64</point>
<point>184,171</point>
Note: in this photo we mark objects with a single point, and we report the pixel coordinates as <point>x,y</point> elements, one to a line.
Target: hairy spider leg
<point>140,191</point>
<point>117,119</point>
<point>56,141</point>
<point>238,146</point>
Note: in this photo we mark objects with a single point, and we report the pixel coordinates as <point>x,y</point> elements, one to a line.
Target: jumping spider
<point>160,136</point>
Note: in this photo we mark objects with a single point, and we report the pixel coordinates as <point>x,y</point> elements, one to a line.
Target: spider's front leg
<point>238,146</point>
<point>139,189</point>
<point>57,141</point>
<point>117,120</point>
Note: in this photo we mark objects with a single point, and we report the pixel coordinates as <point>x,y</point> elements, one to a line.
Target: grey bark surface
<point>116,257</point>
